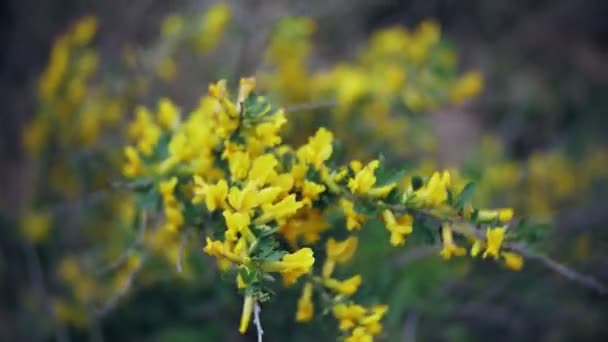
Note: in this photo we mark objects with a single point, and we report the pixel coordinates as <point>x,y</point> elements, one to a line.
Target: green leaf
<point>365,208</point>
<point>464,195</point>
<point>149,199</point>
<point>424,230</point>
<point>417,182</point>
<point>256,106</point>
<point>385,175</point>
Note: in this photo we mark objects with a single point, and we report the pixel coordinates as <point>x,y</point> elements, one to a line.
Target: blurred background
<point>533,138</point>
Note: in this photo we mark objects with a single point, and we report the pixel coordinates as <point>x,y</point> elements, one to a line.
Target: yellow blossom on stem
<point>449,247</point>
<point>283,209</point>
<point>513,261</point>
<point>214,195</point>
<point>133,166</point>
<point>242,200</point>
<point>338,252</point>
<point>434,193</point>
<point>305,309</point>
<point>319,148</point>
<point>236,222</point>
<point>502,215</point>
<point>359,334</point>
<point>311,191</point>
<point>398,228</point>
<point>372,321</point>
<point>239,163</point>
<point>262,169</point>
<point>292,266</point>
<point>364,179</point>
<point>348,315</point>
<point>248,304</point>
<point>494,238</point>
<point>346,287</point>
<point>476,248</point>
<point>354,220</point>
<point>221,251</point>
<point>36,225</point>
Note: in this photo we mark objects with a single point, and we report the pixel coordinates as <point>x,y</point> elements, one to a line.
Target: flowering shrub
<point>271,181</point>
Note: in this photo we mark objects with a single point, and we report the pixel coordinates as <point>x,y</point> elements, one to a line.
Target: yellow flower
<point>398,228</point>
<point>281,210</point>
<point>306,307</point>
<point>262,169</point>
<point>434,193</point>
<point>84,30</point>
<point>372,321</point>
<point>467,86</point>
<point>338,252</point>
<point>341,251</point>
<point>36,225</point>
<point>513,261</point>
<point>346,287</point>
<point>168,114</point>
<point>214,23</point>
<point>319,148</point>
<point>246,86</point>
<point>133,166</point>
<point>359,334</point>
<point>364,179</point>
<point>449,247</point>
<point>348,315</point>
<point>166,69</point>
<point>238,163</point>
<point>214,195</point>
<point>311,191</point>
<point>242,200</point>
<point>219,250</point>
<point>174,218</point>
<point>172,25</point>
<point>354,220</point>
<point>502,215</point>
<point>267,132</point>
<point>246,314</point>
<point>494,238</point>
<point>235,223</point>
<point>167,187</point>
<point>292,266</point>
<point>34,136</point>
<point>476,248</point>
<point>144,131</point>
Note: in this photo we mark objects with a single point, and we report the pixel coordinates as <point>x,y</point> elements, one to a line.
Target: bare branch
<point>180,252</point>
<point>256,320</point>
<point>113,300</point>
<point>125,255</point>
<point>310,106</point>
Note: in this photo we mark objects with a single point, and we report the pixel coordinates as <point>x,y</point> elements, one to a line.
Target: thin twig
<point>113,300</point>
<point>565,271</point>
<point>126,254</point>
<point>411,326</point>
<point>37,278</point>
<point>180,252</point>
<point>310,106</point>
<point>583,279</point>
<point>256,320</point>
<point>468,230</point>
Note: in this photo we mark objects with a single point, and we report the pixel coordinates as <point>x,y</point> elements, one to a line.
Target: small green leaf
<point>417,182</point>
<point>464,195</point>
<point>386,175</point>
<point>256,106</point>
